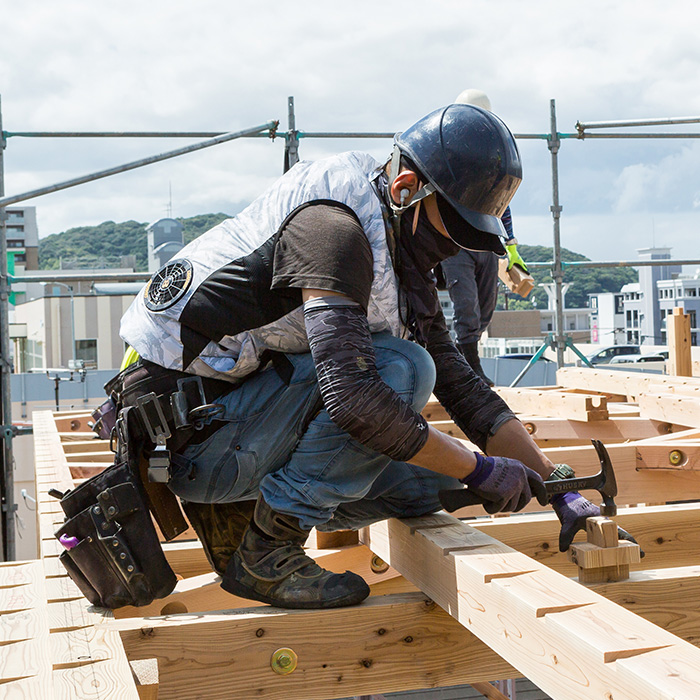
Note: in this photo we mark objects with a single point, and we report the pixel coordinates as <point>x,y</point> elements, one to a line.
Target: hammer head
<point>608,489</point>
<point>603,482</point>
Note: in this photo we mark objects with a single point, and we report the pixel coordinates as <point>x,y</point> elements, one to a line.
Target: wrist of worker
<point>484,466</point>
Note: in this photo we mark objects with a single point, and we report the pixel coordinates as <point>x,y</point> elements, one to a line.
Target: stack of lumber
<point>453,601</point>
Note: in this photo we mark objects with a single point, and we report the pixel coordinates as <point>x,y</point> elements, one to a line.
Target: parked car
<point>520,356</point>
<point>625,359</point>
<point>605,355</point>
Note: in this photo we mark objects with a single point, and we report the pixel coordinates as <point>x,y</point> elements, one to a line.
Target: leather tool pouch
<point>112,550</point>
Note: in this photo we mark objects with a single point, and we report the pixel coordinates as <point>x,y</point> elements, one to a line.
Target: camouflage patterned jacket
<point>211,311</point>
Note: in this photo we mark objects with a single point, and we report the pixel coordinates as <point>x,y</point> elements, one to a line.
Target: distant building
<point>22,246</point>
<point>607,318</point>
<point>683,292</point>
<point>44,328</point>
<point>644,326</point>
<point>165,240</point>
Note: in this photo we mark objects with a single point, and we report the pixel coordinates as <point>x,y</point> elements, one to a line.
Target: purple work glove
<point>572,509</point>
<point>504,484</point>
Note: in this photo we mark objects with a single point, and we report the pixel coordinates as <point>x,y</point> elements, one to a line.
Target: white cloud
<point>374,66</point>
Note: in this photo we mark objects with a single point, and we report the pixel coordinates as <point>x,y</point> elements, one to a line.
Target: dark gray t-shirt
<point>307,256</point>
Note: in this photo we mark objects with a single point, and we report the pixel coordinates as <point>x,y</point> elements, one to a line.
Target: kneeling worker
<point>316,306</point>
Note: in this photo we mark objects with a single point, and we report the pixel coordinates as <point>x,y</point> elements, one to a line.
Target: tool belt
<point>112,551</point>
<point>170,410</point>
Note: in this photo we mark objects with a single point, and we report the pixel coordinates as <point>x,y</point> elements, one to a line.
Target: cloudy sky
<point>74,65</point>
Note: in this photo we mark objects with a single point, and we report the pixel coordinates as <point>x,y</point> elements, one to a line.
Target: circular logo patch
<point>168,285</point>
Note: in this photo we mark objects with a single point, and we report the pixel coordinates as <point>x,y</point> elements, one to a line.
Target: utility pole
<point>7,488</point>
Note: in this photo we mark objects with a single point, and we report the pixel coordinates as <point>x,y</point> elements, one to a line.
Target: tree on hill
<point>583,280</point>
<point>105,244</point>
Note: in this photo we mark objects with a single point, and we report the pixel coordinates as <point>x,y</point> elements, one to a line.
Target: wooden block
<point>591,556</point>
<point>604,574</point>
<point>516,279</point>
<point>601,531</point>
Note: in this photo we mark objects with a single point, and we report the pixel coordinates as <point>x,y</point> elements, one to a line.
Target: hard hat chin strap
<point>394,169</point>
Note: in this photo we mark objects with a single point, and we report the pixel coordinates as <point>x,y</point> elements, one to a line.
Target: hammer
<point>603,482</point>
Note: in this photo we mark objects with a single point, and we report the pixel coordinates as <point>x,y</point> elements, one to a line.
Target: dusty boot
<point>220,528</point>
<point>270,566</point>
<point>471,355</point>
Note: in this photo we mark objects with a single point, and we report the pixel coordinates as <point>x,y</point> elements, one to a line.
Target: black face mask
<point>427,246</point>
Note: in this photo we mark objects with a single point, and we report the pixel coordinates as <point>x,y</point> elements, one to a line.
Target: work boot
<point>220,528</point>
<point>271,566</point>
<point>471,355</point>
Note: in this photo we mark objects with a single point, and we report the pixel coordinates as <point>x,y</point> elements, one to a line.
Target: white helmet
<point>471,96</point>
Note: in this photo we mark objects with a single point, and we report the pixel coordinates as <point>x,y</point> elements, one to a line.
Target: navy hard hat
<point>469,155</point>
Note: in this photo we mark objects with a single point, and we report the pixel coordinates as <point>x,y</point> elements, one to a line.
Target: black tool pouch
<point>112,550</point>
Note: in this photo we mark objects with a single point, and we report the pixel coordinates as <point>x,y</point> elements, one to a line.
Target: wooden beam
<point>630,384</point>
<point>387,644</point>
<point>86,659</point>
<point>574,406</point>
<point>669,535</point>
<point>571,642</point>
<point>562,432</point>
<point>675,408</point>
<point>680,362</point>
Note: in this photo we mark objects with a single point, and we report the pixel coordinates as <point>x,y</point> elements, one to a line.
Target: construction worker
<point>296,315</point>
<point>471,276</point>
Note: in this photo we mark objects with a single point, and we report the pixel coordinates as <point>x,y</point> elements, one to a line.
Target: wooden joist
<point>570,641</point>
<point>554,403</point>
<point>388,643</point>
<point>84,659</point>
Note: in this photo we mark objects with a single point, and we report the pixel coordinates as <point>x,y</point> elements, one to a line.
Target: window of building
<point>15,244</point>
<point>86,350</point>
<point>693,318</point>
<point>691,291</point>
<point>32,355</point>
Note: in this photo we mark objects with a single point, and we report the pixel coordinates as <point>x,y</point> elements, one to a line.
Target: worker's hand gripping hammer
<point>603,482</point>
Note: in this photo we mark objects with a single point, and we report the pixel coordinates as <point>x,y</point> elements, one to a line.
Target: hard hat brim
<point>470,229</point>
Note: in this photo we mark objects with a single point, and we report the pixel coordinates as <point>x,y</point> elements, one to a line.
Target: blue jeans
<point>472,281</point>
<point>277,440</point>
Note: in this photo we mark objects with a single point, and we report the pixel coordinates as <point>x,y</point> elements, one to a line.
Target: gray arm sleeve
<point>356,397</point>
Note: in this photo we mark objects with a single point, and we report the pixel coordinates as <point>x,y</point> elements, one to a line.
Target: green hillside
<point>104,245</point>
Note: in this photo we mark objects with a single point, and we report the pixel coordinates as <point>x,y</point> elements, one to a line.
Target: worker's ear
<point>405,180</point>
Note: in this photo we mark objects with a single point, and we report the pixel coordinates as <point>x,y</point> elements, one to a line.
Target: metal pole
<point>7,487</point>
<point>553,144</point>
<point>665,121</point>
<point>270,126</point>
<point>291,140</point>
<point>616,263</point>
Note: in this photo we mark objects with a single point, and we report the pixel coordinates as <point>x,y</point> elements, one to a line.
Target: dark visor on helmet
<point>463,233</point>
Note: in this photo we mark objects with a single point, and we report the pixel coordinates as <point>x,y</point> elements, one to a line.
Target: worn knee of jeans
<point>407,368</point>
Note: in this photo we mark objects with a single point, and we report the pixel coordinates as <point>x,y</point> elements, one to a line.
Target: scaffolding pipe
<point>665,121</point>
<point>270,127</point>
<point>612,263</point>
<point>553,144</point>
<point>7,488</point>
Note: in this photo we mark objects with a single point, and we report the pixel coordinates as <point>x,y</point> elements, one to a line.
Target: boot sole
<point>236,588</point>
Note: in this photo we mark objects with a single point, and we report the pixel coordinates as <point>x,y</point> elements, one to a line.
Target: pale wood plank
<point>567,653</point>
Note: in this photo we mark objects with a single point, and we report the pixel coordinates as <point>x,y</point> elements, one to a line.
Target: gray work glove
<point>573,509</point>
<point>504,484</point>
